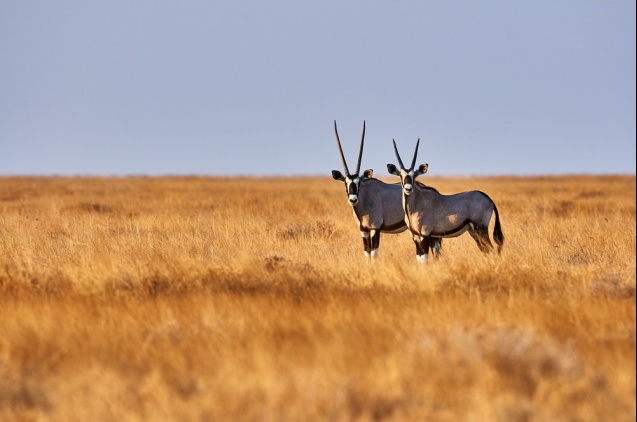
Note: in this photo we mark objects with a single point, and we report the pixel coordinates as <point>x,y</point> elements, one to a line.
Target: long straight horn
<point>398,155</point>
<point>340,149</point>
<point>413,162</point>
<point>360,153</point>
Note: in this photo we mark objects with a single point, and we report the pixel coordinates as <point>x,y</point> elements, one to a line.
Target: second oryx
<point>429,213</point>
<point>377,205</point>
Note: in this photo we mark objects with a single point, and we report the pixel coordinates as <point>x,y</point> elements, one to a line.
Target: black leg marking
<point>375,240</point>
<point>418,247</point>
<point>365,245</point>
<point>424,247</point>
<point>367,242</point>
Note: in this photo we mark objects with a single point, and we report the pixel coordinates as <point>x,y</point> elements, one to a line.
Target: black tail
<point>498,236</point>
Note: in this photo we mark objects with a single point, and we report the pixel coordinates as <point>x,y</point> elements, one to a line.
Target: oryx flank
<point>377,205</point>
<point>429,213</point>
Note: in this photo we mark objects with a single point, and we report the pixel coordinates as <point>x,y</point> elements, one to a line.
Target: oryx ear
<point>422,169</point>
<point>367,174</point>
<point>392,169</point>
<point>337,175</point>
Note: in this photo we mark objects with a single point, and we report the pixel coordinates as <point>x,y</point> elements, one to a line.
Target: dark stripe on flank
<point>452,232</point>
<point>392,227</point>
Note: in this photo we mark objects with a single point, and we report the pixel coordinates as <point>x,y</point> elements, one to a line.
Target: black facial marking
<point>352,189</point>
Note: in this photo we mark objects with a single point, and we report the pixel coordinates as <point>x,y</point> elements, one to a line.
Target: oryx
<point>429,213</point>
<point>377,205</point>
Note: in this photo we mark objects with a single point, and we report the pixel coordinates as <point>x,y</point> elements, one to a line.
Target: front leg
<point>422,247</point>
<point>375,242</point>
<point>367,242</point>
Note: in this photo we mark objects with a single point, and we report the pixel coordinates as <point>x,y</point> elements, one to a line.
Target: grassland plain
<point>248,299</point>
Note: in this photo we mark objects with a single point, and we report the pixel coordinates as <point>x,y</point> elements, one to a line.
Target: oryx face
<point>352,184</point>
<point>407,176</point>
<point>407,181</point>
<point>352,181</point>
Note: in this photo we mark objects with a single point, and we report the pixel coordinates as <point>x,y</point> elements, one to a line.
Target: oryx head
<point>407,176</point>
<point>352,180</point>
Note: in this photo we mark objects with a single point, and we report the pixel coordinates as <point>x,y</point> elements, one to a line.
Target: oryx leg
<point>367,242</point>
<point>375,242</point>
<point>422,247</point>
<point>480,234</point>
<point>434,244</point>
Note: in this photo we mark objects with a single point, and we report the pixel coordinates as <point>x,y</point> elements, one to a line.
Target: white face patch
<point>349,181</point>
<point>374,253</point>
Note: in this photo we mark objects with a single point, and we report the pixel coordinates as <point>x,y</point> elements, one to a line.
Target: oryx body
<point>429,213</point>
<point>379,210</point>
<point>377,206</point>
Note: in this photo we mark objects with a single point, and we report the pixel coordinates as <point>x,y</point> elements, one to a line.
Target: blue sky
<point>252,88</point>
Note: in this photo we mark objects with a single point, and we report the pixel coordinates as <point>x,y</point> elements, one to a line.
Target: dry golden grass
<point>185,298</point>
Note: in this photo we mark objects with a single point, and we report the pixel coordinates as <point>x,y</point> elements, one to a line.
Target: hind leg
<point>434,244</point>
<point>481,235</point>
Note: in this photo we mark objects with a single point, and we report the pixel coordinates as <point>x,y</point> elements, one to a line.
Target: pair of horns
<point>360,152</point>
<point>413,161</point>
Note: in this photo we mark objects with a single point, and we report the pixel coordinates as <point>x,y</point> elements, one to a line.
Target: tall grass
<point>188,298</point>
